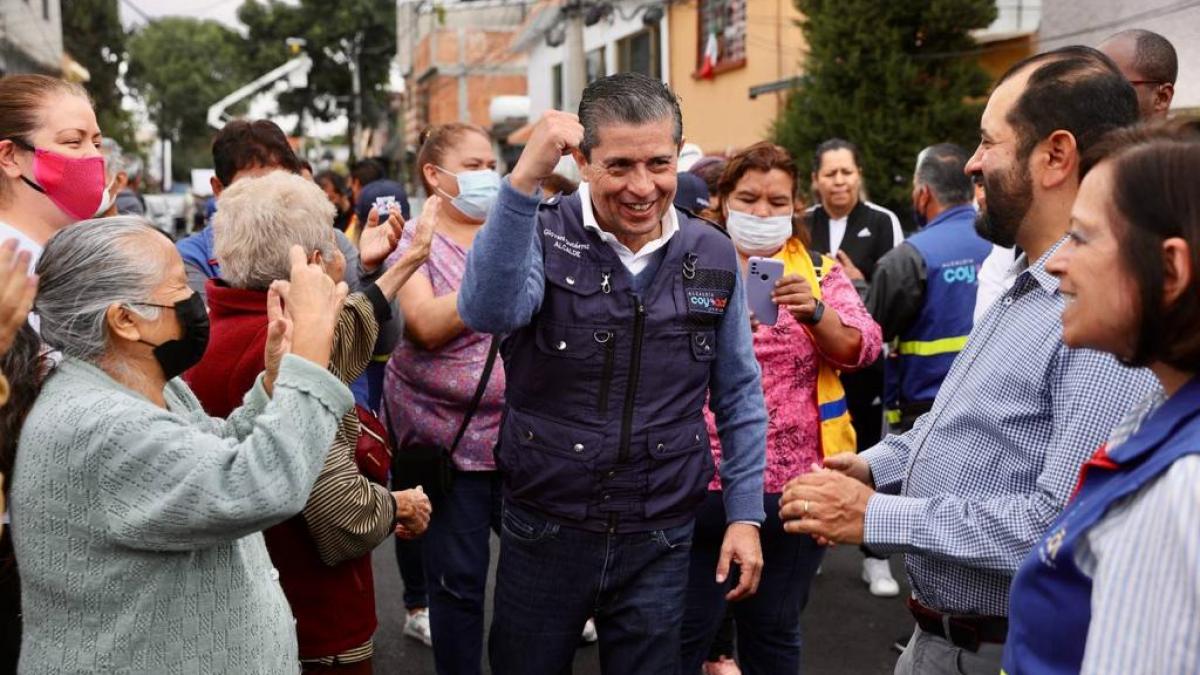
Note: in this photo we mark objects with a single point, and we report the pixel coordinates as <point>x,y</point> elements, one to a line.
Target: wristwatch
<point>818,312</point>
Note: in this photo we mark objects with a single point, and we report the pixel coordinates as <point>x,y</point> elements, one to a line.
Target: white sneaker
<point>878,575</point>
<point>416,626</point>
<point>589,632</point>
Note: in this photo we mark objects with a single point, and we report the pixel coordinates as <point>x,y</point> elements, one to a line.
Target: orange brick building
<point>458,59</point>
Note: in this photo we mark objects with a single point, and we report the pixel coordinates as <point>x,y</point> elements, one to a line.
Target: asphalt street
<point>846,629</point>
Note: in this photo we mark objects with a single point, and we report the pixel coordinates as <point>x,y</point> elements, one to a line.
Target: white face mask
<point>753,235</point>
<point>107,200</point>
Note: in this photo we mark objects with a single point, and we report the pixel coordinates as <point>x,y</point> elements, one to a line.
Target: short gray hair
<point>84,270</point>
<point>259,219</point>
<point>114,160</point>
<point>133,166</point>
<point>626,98</point>
<point>941,168</point>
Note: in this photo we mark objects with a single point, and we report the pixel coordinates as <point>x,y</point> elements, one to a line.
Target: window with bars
<point>721,35</point>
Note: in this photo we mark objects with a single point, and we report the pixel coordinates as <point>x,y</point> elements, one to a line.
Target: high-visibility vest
<point>837,434</point>
<point>952,253</point>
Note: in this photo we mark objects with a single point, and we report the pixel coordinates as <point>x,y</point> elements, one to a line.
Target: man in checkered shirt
<point>968,492</point>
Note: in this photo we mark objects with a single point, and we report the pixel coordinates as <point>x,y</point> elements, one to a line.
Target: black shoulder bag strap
<point>493,349</point>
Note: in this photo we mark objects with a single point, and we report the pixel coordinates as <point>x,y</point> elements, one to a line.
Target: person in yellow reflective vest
<point>923,292</point>
<point>823,328</point>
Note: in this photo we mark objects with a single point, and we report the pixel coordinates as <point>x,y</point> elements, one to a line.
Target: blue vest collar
<point>952,213</point>
<point>1162,424</point>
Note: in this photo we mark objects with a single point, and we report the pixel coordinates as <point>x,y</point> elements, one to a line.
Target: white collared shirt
<point>635,262</point>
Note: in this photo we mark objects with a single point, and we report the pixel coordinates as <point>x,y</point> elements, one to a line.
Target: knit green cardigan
<point>137,529</point>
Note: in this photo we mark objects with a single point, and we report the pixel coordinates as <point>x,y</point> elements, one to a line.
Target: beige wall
<point>718,114</point>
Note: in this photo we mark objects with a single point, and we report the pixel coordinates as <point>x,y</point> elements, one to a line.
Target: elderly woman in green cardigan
<point>136,517</point>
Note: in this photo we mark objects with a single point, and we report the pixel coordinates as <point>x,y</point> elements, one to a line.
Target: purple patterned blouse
<point>427,392</point>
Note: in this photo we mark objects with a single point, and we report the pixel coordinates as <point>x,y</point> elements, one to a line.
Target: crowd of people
<point>667,389</point>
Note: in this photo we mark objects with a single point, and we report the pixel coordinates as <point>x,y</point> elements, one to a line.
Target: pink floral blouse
<point>427,392</point>
<point>788,356</point>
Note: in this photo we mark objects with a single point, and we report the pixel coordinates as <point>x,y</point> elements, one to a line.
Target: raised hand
<point>378,241</point>
<point>417,252</point>
<point>557,133</point>
<point>279,336</point>
<point>17,290</point>
<point>312,302</point>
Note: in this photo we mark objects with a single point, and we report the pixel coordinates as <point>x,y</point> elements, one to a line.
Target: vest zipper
<point>605,338</point>
<point>635,367</point>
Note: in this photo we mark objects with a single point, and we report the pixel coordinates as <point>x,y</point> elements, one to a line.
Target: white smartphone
<point>383,206</point>
<point>761,275</point>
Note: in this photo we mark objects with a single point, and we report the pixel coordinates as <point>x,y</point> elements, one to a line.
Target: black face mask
<point>176,356</point>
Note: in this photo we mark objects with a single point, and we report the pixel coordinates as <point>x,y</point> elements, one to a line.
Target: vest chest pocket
<point>681,467</point>
<point>573,275</point>
<point>568,342</point>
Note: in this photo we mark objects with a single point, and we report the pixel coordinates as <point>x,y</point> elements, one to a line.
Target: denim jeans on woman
<point>768,623</point>
<point>457,554</point>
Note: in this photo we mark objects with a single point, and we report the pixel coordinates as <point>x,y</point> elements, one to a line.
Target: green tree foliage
<point>329,28</point>
<point>893,78</point>
<point>93,36</point>
<point>179,67</point>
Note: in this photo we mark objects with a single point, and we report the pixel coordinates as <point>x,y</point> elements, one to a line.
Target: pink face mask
<point>74,184</point>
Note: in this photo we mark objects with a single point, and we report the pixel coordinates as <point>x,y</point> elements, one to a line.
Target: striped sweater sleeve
<point>347,515</point>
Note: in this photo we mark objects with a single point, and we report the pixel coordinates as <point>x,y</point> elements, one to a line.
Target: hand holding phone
<point>383,206</point>
<point>761,275</point>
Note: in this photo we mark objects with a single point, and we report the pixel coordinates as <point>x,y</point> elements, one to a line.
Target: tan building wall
<point>999,55</point>
<point>718,113</point>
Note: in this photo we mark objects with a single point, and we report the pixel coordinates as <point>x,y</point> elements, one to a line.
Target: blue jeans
<point>768,623</point>
<point>457,554</point>
<point>552,578</point>
<point>410,560</point>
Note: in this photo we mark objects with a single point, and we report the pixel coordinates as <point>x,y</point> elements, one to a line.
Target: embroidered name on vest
<point>572,248</point>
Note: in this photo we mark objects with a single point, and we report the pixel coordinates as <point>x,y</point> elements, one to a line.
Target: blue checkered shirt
<point>971,489</point>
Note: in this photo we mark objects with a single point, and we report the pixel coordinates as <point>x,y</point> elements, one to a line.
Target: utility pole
<point>353,51</point>
<point>574,63</point>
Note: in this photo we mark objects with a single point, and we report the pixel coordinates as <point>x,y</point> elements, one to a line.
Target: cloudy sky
<point>221,10</point>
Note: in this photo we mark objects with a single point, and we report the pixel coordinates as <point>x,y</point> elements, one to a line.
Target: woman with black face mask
<point>135,516</point>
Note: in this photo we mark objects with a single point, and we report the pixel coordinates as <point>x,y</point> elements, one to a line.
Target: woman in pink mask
<point>51,169</point>
<point>51,175</point>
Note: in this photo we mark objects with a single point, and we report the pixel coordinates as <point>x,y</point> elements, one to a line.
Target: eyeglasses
<point>1150,82</point>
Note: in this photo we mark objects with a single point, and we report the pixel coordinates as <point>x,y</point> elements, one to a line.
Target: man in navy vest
<point>623,316</point>
<point>924,290</point>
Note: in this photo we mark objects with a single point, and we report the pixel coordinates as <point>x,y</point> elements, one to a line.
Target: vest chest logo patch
<point>707,301</point>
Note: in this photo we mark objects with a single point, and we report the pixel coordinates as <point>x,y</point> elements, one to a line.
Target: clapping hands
<point>301,315</point>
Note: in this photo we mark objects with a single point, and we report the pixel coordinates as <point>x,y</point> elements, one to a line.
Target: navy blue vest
<point>953,254</point>
<point>604,428</point>
<point>1050,608</point>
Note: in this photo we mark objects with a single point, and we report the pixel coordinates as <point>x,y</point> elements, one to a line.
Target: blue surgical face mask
<point>476,192</point>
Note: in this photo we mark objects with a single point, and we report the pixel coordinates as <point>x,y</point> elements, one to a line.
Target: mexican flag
<point>708,62</point>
